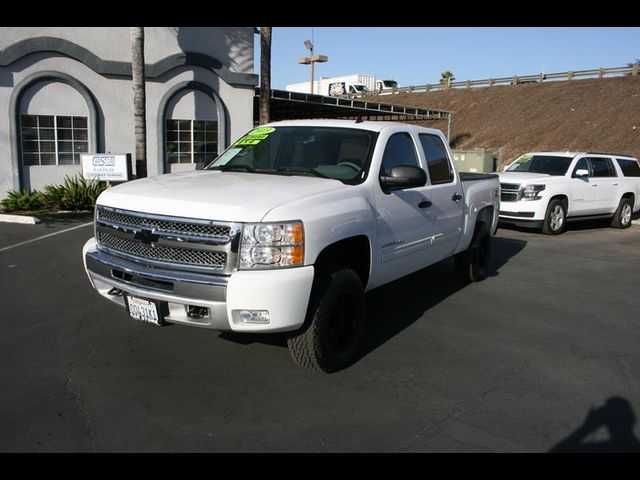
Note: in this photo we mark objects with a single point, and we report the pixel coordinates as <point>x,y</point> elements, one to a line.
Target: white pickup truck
<point>286,230</point>
<point>547,189</point>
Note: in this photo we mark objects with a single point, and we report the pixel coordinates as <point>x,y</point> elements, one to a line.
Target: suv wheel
<point>556,218</point>
<point>623,214</point>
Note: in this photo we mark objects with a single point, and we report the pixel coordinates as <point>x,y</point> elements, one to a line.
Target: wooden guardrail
<point>516,80</point>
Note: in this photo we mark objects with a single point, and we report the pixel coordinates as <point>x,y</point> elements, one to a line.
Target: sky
<point>418,55</point>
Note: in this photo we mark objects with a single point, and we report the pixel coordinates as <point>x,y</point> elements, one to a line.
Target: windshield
<point>360,88</point>
<point>545,164</point>
<point>328,152</point>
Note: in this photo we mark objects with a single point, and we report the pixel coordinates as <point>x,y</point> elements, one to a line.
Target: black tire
<point>555,220</point>
<point>330,338</point>
<point>622,216</point>
<point>472,265</point>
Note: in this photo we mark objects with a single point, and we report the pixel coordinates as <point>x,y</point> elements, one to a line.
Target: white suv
<point>547,189</point>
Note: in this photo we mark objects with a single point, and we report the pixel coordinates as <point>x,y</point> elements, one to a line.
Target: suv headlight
<point>271,245</point>
<point>532,192</point>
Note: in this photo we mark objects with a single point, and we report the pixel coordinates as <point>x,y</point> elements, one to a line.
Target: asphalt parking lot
<point>541,356</point>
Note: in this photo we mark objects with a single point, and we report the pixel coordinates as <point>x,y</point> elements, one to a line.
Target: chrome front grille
<point>201,258</point>
<point>202,229</point>
<point>510,192</point>
<point>168,242</point>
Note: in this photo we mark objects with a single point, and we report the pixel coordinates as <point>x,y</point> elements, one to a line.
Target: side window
<point>630,168</point>
<point>437,159</point>
<point>602,167</point>
<point>399,151</point>
<point>583,164</point>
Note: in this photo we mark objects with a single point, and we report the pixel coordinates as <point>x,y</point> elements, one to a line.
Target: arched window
<point>191,130</point>
<point>53,124</point>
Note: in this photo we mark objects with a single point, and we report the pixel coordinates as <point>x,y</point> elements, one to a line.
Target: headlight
<point>531,192</point>
<point>271,245</point>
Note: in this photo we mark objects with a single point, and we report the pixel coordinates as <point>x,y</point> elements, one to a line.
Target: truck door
<point>445,194</point>
<point>403,227</point>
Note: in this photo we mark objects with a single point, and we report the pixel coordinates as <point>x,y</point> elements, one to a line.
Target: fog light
<point>253,317</point>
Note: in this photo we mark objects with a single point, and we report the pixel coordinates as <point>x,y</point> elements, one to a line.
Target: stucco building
<point>68,91</point>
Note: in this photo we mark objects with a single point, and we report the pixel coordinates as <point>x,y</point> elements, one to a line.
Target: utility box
<point>474,161</point>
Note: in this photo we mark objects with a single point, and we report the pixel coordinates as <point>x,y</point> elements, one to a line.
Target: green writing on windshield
<point>255,136</point>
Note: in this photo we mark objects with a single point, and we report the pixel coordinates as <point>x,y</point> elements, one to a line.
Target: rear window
<point>630,168</point>
<point>602,167</point>
<point>437,159</point>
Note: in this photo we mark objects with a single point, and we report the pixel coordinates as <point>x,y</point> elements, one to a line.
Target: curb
<point>25,219</point>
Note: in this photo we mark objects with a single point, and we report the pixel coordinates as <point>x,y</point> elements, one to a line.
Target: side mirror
<point>581,172</point>
<point>403,176</point>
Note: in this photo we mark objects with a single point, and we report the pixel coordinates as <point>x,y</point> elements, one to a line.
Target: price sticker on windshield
<point>255,136</point>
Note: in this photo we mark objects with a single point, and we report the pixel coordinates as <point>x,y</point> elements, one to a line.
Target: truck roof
<point>375,126</point>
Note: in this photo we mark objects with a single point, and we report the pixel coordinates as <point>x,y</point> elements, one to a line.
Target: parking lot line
<point>19,244</point>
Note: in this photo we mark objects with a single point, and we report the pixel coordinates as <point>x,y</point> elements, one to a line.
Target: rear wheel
<point>472,265</point>
<point>555,219</point>
<point>622,216</point>
<point>330,338</point>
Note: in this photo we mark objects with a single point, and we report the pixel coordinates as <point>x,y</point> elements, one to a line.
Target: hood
<point>523,177</point>
<point>214,195</point>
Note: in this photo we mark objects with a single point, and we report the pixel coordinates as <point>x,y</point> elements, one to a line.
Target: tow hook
<point>197,312</point>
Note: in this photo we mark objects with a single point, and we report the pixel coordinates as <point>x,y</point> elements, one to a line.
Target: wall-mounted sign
<point>106,167</point>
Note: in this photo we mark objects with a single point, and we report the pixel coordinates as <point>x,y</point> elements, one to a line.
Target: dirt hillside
<point>595,115</point>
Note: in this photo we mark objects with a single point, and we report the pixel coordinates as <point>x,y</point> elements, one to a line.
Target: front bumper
<point>523,212</point>
<point>283,293</point>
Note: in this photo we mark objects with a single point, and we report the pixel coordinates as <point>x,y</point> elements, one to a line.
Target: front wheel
<point>555,218</point>
<point>330,338</point>
<point>622,216</point>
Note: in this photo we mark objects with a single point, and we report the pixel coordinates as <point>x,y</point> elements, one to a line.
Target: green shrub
<point>76,193</point>
<point>22,200</point>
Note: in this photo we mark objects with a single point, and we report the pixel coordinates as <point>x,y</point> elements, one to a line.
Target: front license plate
<point>145,310</point>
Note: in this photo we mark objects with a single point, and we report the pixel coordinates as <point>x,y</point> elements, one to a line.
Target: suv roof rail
<point>610,154</point>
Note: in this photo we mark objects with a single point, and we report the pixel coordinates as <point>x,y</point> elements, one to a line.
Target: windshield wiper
<point>307,171</point>
<point>241,167</point>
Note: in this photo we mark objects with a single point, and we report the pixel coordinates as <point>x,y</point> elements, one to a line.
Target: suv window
<point>398,151</point>
<point>437,159</point>
<point>602,167</point>
<point>630,168</point>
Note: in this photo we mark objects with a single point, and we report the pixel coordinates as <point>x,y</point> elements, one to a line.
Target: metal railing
<point>516,80</point>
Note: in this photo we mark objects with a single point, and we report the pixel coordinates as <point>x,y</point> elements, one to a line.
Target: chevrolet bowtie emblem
<point>146,237</point>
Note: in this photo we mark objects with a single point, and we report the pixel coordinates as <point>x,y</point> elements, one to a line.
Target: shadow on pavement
<point>415,293</point>
<point>617,416</point>
<point>52,220</point>
<point>395,306</point>
<point>577,226</point>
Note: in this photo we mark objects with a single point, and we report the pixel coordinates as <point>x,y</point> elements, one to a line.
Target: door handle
<point>456,197</point>
<point>425,204</point>
<point>615,184</point>
<point>594,184</point>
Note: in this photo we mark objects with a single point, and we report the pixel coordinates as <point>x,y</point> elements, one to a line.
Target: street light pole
<point>311,60</point>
